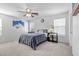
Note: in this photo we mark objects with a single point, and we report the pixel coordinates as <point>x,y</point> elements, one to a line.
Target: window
<point>0,26</point>
<point>26,26</point>
<point>59,26</point>
<point>31,26</point>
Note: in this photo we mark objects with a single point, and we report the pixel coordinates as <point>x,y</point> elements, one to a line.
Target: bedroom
<point>15,21</point>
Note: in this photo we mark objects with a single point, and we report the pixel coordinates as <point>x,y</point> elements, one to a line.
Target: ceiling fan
<point>28,13</point>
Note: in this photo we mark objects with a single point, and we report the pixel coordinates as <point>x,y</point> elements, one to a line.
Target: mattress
<point>32,39</point>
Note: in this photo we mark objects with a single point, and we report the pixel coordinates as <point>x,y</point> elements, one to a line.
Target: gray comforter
<point>32,39</point>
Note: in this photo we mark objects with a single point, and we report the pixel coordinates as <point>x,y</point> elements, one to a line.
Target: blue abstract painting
<point>17,22</point>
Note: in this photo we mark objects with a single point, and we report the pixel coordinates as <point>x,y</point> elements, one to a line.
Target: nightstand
<point>52,37</point>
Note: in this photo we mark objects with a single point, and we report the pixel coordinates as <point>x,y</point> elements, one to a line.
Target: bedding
<point>32,39</point>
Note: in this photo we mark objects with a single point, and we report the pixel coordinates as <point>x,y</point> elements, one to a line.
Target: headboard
<point>42,30</point>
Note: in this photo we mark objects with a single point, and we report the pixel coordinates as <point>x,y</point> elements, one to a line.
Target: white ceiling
<point>41,8</point>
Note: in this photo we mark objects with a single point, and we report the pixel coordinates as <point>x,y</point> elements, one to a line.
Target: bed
<point>32,39</point>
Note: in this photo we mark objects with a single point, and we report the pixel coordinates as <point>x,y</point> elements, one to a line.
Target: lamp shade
<point>51,30</point>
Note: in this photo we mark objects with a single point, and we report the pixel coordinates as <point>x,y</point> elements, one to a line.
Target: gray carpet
<point>44,49</point>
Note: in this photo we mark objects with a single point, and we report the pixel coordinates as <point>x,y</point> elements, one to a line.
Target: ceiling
<point>41,8</point>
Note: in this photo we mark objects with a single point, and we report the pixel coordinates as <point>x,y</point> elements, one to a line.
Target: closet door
<point>75,40</point>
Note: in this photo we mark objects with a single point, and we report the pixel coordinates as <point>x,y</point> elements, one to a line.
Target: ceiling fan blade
<point>24,15</point>
<point>32,15</point>
<point>35,13</point>
<point>21,11</point>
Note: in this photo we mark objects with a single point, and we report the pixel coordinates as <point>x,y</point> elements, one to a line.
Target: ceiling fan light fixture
<point>28,15</point>
<point>28,10</point>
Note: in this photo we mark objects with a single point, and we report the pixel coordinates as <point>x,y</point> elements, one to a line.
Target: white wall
<point>75,40</point>
<point>9,33</point>
<point>49,21</point>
